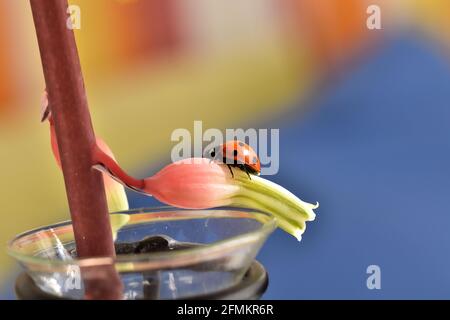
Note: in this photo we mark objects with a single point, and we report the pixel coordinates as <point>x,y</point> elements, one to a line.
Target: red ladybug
<point>237,154</point>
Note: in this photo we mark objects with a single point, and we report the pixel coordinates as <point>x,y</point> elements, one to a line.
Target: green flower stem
<point>258,193</point>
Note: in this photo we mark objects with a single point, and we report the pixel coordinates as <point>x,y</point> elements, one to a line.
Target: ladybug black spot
<point>255,160</point>
<point>241,143</point>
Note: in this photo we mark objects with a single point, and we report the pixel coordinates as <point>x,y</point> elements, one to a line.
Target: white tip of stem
<point>298,234</point>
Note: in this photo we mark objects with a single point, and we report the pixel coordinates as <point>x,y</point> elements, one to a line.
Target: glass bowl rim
<point>162,259</point>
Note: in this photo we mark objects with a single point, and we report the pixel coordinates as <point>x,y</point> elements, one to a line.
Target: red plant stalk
<point>76,139</point>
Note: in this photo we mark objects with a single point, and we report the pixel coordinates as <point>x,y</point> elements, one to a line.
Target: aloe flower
<point>195,183</point>
<point>115,191</point>
<point>200,183</point>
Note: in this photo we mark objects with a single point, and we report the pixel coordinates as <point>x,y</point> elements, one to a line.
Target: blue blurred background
<point>364,130</point>
<point>375,150</point>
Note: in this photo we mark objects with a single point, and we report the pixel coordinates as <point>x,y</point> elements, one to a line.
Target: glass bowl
<point>182,253</point>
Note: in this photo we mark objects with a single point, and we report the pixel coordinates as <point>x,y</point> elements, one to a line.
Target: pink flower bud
<point>193,183</point>
<point>200,183</point>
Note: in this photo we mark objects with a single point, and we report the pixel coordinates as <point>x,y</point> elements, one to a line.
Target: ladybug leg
<point>246,171</point>
<point>213,158</point>
<point>232,174</point>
